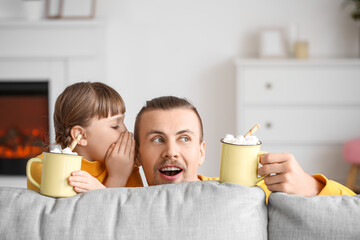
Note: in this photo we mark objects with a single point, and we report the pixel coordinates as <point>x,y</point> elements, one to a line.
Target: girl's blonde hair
<point>79,103</point>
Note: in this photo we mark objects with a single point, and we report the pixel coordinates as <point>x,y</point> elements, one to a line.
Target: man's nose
<point>170,150</point>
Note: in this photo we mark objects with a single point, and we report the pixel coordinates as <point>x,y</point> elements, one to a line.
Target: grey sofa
<point>196,210</point>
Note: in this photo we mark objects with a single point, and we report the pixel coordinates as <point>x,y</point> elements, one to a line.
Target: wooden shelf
<point>45,23</point>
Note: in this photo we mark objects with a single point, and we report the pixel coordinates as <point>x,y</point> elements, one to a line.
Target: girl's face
<point>100,134</point>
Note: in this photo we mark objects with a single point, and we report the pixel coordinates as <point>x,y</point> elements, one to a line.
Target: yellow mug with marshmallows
<point>56,169</point>
<point>239,163</point>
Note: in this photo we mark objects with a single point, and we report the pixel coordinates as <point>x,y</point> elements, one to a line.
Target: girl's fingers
<point>129,145</point>
<point>78,179</point>
<point>132,149</point>
<point>109,151</point>
<point>79,173</point>
<point>123,145</point>
<point>79,190</point>
<point>119,142</point>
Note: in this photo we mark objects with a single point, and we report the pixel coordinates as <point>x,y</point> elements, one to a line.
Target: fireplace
<point>24,124</point>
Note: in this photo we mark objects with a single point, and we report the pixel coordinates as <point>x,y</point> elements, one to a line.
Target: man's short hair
<point>165,103</point>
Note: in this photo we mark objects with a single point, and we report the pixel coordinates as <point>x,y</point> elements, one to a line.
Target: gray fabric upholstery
<point>196,210</point>
<point>319,217</point>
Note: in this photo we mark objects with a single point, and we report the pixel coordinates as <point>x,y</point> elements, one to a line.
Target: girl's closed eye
<point>115,127</point>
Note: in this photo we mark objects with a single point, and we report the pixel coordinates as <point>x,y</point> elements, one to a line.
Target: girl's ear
<point>75,131</point>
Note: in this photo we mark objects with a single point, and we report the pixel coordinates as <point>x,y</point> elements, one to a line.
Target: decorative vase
<point>33,9</point>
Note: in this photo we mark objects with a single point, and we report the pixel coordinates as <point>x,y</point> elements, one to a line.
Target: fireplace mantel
<point>60,52</point>
<point>51,38</point>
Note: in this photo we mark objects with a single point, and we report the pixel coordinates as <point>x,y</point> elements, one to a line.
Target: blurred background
<point>292,66</point>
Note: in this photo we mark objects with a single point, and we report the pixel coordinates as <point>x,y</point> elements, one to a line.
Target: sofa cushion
<point>319,217</point>
<point>195,210</point>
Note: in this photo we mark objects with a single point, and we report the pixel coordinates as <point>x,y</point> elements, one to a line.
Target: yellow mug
<point>239,163</point>
<point>56,169</point>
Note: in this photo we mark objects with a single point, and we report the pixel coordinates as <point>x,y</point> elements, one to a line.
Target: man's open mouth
<point>170,171</point>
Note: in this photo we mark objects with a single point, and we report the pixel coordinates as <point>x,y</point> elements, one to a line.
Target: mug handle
<point>28,171</point>
<point>258,159</point>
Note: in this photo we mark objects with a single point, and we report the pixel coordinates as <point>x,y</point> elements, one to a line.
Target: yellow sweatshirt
<point>96,169</point>
<point>330,187</point>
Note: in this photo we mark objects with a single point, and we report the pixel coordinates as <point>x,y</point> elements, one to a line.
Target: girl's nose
<point>122,127</point>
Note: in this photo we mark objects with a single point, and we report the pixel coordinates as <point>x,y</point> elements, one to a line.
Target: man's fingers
<point>271,168</point>
<point>278,187</point>
<point>275,158</point>
<point>274,179</point>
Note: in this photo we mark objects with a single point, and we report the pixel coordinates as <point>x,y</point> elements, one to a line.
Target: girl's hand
<point>82,181</point>
<point>119,160</point>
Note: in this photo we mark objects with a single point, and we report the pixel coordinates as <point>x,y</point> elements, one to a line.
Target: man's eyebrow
<point>178,133</point>
<point>155,132</point>
<point>185,131</point>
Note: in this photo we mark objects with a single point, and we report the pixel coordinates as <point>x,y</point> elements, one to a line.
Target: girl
<point>96,111</point>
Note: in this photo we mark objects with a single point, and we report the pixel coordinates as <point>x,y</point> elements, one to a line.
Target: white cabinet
<point>307,107</point>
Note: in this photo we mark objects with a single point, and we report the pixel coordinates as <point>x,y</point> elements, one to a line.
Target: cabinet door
<point>304,125</point>
<point>300,85</point>
<point>316,159</point>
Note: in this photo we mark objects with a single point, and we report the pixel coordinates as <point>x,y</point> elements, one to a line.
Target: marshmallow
<point>57,149</point>
<point>68,151</point>
<point>241,140</point>
<point>228,138</point>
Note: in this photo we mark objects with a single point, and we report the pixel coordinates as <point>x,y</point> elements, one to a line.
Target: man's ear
<point>202,153</point>
<point>75,131</point>
<point>137,156</point>
<point>137,160</point>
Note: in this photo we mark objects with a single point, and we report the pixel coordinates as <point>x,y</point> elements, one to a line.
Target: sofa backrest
<point>195,210</point>
<point>320,217</point>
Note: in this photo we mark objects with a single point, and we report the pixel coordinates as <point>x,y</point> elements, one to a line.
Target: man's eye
<point>185,139</point>
<point>157,139</point>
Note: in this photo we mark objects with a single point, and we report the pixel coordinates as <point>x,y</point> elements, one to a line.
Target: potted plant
<point>355,14</point>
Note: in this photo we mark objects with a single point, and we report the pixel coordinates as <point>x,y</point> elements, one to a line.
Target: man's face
<point>169,146</point>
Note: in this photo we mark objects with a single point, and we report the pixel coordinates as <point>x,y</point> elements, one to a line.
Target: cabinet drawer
<point>315,159</point>
<point>306,125</point>
<point>300,85</point>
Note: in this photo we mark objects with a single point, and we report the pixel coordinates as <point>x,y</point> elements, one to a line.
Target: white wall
<point>186,48</point>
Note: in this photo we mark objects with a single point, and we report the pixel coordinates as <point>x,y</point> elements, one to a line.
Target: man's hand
<point>82,181</point>
<point>290,177</point>
<point>119,160</point>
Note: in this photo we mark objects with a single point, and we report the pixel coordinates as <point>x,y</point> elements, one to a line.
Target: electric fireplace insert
<point>24,124</point>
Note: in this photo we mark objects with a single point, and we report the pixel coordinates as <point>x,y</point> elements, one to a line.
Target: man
<point>170,147</point>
